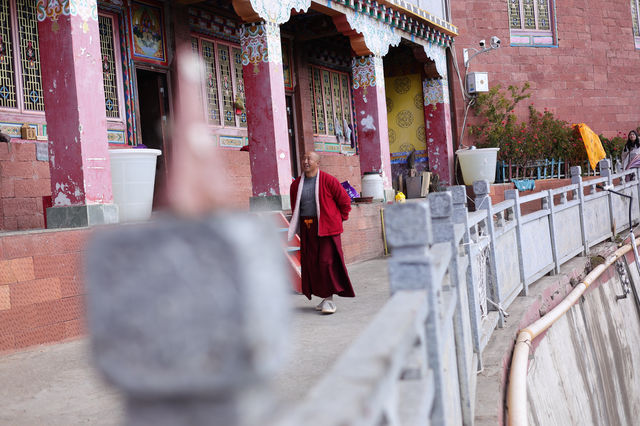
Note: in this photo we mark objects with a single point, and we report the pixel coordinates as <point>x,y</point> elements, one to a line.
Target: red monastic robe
<point>324,272</point>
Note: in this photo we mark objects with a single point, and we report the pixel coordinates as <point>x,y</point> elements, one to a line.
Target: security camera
<point>482,43</point>
<point>495,42</point>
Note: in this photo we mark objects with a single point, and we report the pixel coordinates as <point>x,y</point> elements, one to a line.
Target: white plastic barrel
<point>372,185</point>
<point>133,173</point>
<point>478,164</point>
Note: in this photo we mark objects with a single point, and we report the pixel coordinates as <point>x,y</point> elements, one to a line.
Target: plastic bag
<point>351,191</point>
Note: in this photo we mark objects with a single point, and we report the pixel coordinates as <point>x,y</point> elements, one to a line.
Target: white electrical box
<point>478,82</point>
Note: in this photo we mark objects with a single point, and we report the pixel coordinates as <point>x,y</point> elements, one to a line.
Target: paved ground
<point>55,385</point>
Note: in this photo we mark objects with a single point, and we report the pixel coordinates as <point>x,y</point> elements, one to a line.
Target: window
<point>110,59</point>
<point>331,103</point>
<point>531,22</point>
<point>223,86</point>
<point>20,79</point>
<point>635,9</point>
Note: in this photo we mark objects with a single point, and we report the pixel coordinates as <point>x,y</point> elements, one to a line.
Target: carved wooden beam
<point>245,11</point>
<point>356,39</point>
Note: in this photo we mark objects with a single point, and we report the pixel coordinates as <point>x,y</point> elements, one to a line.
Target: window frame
<point>636,29</point>
<point>17,70</point>
<point>326,137</point>
<point>237,129</point>
<point>517,36</point>
<point>115,27</point>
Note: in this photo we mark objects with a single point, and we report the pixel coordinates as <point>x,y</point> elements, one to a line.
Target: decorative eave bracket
<point>273,11</point>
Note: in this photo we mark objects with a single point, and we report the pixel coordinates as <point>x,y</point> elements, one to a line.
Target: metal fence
<point>453,275</point>
<point>542,169</point>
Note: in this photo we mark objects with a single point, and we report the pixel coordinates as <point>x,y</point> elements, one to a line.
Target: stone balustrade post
<point>483,202</point>
<point>460,216</point>
<point>412,267</point>
<point>444,230</point>
<point>188,318</point>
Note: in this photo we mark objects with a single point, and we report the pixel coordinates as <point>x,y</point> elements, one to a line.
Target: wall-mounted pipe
<point>517,390</point>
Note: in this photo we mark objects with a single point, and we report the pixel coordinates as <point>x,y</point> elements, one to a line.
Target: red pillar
<point>76,122</point>
<point>266,115</point>
<point>437,123</point>
<point>371,116</point>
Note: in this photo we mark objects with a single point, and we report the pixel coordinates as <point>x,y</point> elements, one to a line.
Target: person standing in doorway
<point>320,206</point>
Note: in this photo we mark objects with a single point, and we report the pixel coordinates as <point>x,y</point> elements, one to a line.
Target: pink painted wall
<point>76,122</point>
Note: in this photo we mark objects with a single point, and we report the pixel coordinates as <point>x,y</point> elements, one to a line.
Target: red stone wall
<point>343,168</point>
<point>23,182</point>
<point>41,291</point>
<point>587,78</point>
<point>238,172</point>
<point>362,237</point>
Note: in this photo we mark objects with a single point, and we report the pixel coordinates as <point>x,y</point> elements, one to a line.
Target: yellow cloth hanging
<point>592,143</point>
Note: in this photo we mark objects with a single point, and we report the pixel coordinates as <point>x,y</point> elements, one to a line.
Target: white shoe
<point>319,305</point>
<point>328,307</point>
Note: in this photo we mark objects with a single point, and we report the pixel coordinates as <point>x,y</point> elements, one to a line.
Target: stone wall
<point>41,288</point>
<point>24,181</point>
<point>343,167</point>
<point>362,237</point>
<point>584,79</point>
<point>238,172</point>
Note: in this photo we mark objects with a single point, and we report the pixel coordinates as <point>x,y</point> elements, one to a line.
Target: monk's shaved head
<point>313,155</point>
<point>310,163</point>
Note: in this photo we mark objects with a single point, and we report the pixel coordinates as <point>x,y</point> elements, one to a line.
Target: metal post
<point>576,179</point>
<point>513,194</point>
<point>605,171</point>
<point>552,230</point>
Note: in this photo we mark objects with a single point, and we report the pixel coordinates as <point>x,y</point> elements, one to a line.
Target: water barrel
<point>133,173</point>
<point>372,185</point>
<point>478,164</point>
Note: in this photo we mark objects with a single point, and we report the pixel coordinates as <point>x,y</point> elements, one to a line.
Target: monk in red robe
<point>320,205</point>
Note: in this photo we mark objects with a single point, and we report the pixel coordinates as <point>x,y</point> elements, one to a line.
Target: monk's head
<point>310,163</point>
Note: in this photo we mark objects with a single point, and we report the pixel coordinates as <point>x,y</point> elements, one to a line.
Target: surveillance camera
<point>482,43</point>
<point>495,42</point>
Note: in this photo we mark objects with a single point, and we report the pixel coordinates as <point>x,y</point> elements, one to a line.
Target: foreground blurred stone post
<point>188,314</point>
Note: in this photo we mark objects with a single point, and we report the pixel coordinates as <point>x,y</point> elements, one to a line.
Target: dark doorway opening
<point>293,151</point>
<point>153,102</point>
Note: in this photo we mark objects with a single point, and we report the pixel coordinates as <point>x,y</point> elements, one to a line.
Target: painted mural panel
<point>147,32</point>
<point>405,115</point>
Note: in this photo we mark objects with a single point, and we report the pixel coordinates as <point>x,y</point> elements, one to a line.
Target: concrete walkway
<point>55,385</point>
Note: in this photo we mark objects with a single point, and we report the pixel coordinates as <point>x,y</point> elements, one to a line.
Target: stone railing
<point>179,325</point>
<point>453,275</point>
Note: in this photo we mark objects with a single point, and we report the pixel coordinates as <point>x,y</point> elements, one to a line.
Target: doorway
<point>293,151</point>
<point>153,104</point>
